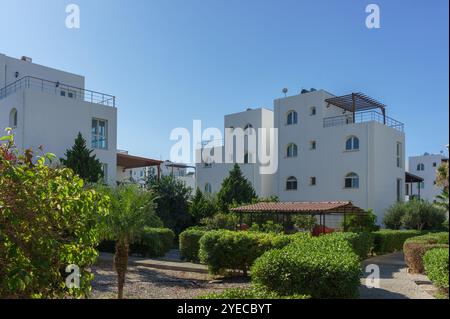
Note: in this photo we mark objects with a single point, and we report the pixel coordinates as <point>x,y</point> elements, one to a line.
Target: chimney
<point>26,59</point>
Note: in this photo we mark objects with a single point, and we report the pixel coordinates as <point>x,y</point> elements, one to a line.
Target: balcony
<point>58,89</point>
<point>362,117</point>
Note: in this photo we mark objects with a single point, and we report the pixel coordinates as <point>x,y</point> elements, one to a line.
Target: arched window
<point>291,183</point>
<point>352,143</point>
<point>291,150</point>
<point>352,180</point>
<point>248,129</point>
<point>13,118</point>
<point>420,167</point>
<point>291,118</point>
<point>208,188</point>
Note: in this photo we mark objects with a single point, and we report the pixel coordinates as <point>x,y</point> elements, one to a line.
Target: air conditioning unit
<point>27,59</point>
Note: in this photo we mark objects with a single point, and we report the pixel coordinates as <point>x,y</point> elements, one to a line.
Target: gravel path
<point>146,283</point>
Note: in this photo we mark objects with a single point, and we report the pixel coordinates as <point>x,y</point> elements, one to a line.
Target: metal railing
<point>361,117</point>
<point>57,88</point>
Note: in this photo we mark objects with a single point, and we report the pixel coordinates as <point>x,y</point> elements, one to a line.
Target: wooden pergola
<point>282,210</point>
<point>126,161</point>
<point>413,179</point>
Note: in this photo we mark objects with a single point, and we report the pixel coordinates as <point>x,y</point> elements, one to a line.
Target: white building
<point>329,149</point>
<point>425,166</point>
<point>50,107</point>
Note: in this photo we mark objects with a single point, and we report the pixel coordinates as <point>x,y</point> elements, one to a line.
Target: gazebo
<point>281,211</point>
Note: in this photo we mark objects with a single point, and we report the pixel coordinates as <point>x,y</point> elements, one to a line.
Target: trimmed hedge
<point>249,293</point>
<point>154,242</point>
<point>320,267</point>
<point>362,243</point>
<point>388,241</point>
<point>189,242</point>
<point>416,247</point>
<point>436,266</point>
<point>224,250</point>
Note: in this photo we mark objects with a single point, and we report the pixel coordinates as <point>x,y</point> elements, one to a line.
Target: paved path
<point>395,281</point>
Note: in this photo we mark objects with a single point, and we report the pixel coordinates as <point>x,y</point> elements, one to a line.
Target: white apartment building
<point>425,166</point>
<point>49,107</point>
<point>329,149</point>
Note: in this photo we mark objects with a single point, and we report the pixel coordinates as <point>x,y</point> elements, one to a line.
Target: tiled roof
<point>300,207</point>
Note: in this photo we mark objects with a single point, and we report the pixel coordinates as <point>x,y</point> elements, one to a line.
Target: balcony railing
<point>59,89</point>
<point>361,117</point>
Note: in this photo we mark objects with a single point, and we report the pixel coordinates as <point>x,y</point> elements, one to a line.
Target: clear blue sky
<point>172,61</point>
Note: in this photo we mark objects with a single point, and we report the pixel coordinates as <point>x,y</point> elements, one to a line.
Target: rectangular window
<point>312,145</point>
<point>399,189</point>
<point>434,164</point>
<point>407,190</point>
<point>399,155</point>
<point>105,171</point>
<point>312,181</point>
<point>71,94</point>
<point>63,93</point>
<point>99,134</point>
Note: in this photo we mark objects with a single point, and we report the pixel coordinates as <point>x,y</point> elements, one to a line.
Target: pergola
<point>127,161</point>
<point>281,210</point>
<point>356,102</point>
<point>411,179</point>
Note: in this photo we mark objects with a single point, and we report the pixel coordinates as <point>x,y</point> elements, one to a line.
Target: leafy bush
<point>249,293</point>
<point>153,242</point>
<point>362,243</point>
<point>190,243</point>
<point>436,267</point>
<point>267,227</point>
<point>416,247</point>
<point>221,221</point>
<point>388,241</point>
<point>304,222</point>
<point>231,250</point>
<point>361,222</point>
<point>48,220</point>
<point>393,216</point>
<point>321,267</point>
<point>202,206</point>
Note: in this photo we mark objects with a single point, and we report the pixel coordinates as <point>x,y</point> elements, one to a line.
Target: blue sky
<point>172,61</point>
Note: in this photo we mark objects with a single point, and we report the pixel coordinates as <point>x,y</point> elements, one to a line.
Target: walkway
<point>395,281</point>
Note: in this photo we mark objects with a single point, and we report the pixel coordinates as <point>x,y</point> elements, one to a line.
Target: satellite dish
<point>285,90</point>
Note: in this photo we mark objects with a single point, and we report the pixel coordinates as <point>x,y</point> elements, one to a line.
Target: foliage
<point>362,243</point>
<point>442,176</point>
<point>172,197</point>
<point>414,214</point>
<point>153,242</point>
<point>190,243</point>
<point>416,247</point>
<point>80,159</point>
<point>321,267</point>
<point>388,241</point>
<point>361,222</point>
<point>202,206</point>
<point>252,292</point>
<point>220,221</point>
<point>305,222</point>
<point>224,250</point>
<point>235,190</point>
<point>48,220</point>
<point>267,227</point>
<point>442,200</point>
<point>436,267</point>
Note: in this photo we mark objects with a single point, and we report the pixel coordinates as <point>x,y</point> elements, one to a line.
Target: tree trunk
<point>120,265</point>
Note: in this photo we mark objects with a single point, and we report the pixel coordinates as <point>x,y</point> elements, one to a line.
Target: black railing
<point>59,89</point>
<point>361,117</point>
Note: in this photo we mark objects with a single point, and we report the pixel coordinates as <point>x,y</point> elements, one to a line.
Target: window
<point>352,180</point>
<point>291,184</point>
<point>399,155</point>
<point>312,111</point>
<point>291,150</point>
<point>352,144</point>
<point>71,94</point>
<point>99,135</point>
<point>208,188</point>
<point>312,181</point>
<point>248,129</point>
<point>407,190</point>
<point>292,118</point>
<point>434,164</point>
<point>63,93</point>
<point>420,167</point>
<point>247,158</point>
<point>399,189</point>
<point>13,118</point>
<point>105,171</point>
<point>312,145</point>
<point>422,185</point>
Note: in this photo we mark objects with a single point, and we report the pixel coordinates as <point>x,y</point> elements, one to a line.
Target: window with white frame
<point>291,150</point>
<point>399,155</point>
<point>351,180</point>
<point>99,134</point>
<point>352,143</point>
<point>312,181</point>
<point>291,183</point>
<point>105,171</point>
<point>420,167</point>
<point>208,188</point>
<point>291,118</point>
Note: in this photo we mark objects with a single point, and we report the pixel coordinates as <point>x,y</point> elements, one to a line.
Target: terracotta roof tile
<point>299,207</point>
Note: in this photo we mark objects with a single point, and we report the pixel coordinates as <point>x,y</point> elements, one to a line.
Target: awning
<point>411,178</point>
<point>129,161</point>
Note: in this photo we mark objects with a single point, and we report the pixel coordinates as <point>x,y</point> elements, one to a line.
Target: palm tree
<point>131,209</point>
<point>442,200</point>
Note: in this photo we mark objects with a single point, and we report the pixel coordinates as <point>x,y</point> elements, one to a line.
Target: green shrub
<point>362,243</point>
<point>190,243</point>
<point>224,250</point>
<point>436,267</point>
<point>361,222</point>
<point>249,293</point>
<point>154,242</point>
<point>320,267</point>
<point>389,241</point>
<point>221,221</point>
<point>267,227</point>
<point>415,248</point>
